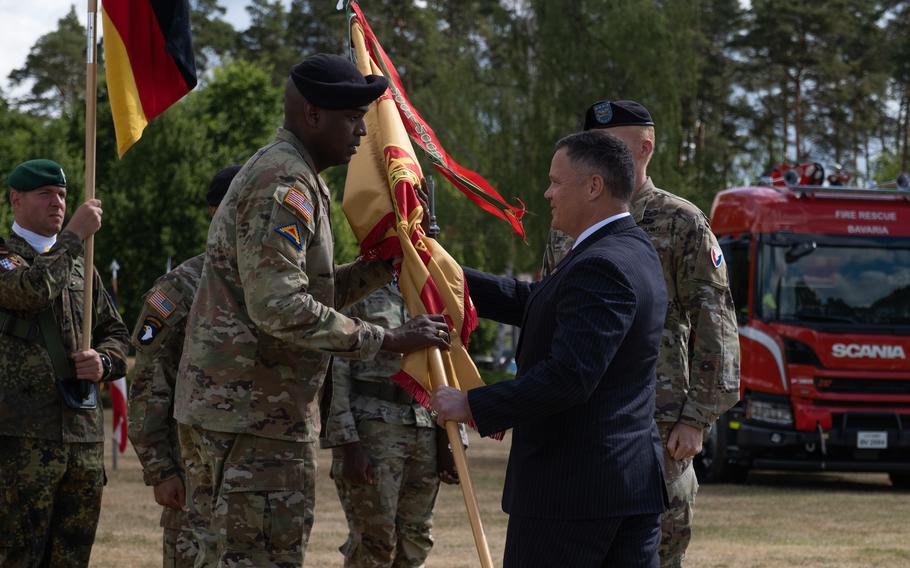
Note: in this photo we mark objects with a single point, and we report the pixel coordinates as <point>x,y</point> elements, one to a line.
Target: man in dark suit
<point>584,484</point>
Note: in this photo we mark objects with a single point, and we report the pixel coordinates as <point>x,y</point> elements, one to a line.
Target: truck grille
<point>847,385</point>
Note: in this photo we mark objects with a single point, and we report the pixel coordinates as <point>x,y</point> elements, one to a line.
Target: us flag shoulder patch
<point>296,200</point>
<point>8,263</point>
<point>161,303</point>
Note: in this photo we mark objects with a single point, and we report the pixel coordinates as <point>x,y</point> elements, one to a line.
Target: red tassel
<point>413,387</point>
<point>470,316</point>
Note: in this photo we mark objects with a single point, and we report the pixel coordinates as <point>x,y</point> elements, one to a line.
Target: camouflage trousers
<point>676,522</point>
<point>50,499</point>
<point>250,500</point>
<point>179,548</point>
<point>179,544</point>
<point>389,522</point>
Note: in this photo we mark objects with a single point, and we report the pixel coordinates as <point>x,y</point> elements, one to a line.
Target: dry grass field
<point>776,520</point>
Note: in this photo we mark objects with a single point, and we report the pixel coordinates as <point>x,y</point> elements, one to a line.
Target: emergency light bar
<point>899,187</point>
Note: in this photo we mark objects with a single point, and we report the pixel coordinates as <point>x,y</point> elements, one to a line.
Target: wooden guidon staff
<point>91,102</point>
<point>438,377</point>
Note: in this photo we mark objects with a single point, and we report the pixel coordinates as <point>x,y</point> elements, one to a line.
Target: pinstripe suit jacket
<point>584,444</point>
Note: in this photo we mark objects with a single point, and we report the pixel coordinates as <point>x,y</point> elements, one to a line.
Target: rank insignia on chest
<point>150,328</point>
<point>717,257</point>
<point>161,303</point>
<point>300,203</point>
<point>8,263</point>
<point>292,233</point>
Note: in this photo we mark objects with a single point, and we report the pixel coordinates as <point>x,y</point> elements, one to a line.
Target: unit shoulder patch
<point>292,233</point>
<point>10,263</point>
<point>151,326</point>
<point>717,257</point>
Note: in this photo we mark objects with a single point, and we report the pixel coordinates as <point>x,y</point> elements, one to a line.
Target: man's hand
<point>418,333</point>
<point>170,493</point>
<point>356,465</point>
<point>450,404</point>
<point>445,460</point>
<point>86,220</point>
<point>684,441</point>
<point>88,365</point>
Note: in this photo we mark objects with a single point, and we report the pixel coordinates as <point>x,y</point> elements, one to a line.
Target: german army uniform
<point>51,424</point>
<point>389,522</point>
<point>158,340</point>
<point>694,385</point>
<point>259,339</point>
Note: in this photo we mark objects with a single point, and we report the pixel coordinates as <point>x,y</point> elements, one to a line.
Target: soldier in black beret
<point>698,368</point>
<point>219,185</point>
<point>264,325</point>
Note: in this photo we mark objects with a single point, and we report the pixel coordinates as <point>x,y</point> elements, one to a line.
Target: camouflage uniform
<point>694,386</point>
<point>158,339</point>
<point>389,522</point>
<point>260,337</point>
<point>51,456</point>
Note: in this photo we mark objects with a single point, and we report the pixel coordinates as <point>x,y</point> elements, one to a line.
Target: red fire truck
<point>821,281</point>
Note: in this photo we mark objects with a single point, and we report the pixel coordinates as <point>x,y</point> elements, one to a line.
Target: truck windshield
<point>839,281</point>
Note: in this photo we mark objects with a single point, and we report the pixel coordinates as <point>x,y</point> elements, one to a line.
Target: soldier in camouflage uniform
<point>158,340</point>
<point>263,327</point>
<point>51,435</point>
<point>698,370</point>
<point>384,452</point>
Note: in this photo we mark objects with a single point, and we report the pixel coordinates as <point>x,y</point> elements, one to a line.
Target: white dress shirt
<point>40,243</point>
<point>597,226</point>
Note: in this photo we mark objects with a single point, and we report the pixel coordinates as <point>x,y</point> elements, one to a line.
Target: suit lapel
<point>617,226</point>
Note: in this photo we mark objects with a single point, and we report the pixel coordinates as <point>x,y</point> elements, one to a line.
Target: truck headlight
<point>770,411</point>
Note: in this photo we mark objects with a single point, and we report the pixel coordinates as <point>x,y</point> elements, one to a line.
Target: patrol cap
<point>333,82</point>
<point>220,184</point>
<point>37,173</point>
<point>607,114</point>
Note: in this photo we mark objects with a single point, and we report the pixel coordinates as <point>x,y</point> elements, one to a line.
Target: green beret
<point>37,173</point>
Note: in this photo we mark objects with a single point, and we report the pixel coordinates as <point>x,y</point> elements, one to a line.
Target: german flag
<point>149,61</point>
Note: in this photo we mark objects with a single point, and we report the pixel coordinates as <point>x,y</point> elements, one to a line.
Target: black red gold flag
<point>149,61</point>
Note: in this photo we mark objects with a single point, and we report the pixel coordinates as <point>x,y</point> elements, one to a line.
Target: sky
<point>24,21</point>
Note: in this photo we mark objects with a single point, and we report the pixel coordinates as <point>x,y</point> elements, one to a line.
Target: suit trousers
<point>613,542</point>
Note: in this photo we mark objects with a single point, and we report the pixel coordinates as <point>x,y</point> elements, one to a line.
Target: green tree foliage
<point>734,88</point>
<point>55,67</point>
<point>213,37</point>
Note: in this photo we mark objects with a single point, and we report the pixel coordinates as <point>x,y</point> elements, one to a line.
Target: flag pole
<point>438,379</point>
<point>91,103</point>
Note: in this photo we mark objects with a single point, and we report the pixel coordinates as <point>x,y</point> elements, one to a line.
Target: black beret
<point>37,173</point>
<point>333,82</point>
<point>220,184</point>
<point>607,114</point>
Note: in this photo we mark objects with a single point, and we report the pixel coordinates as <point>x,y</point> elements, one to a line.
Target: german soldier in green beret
<point>51,436</point>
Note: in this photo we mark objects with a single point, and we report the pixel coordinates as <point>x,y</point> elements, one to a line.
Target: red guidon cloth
<point>381,205</point>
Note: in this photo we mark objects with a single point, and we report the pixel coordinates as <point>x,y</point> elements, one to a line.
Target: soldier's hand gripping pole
<point>438,379</point>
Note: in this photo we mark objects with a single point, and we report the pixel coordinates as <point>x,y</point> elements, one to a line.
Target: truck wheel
<point>900,480</point>
<point>712,465</point>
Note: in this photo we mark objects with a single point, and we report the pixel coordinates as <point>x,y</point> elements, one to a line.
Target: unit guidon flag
<point>381,205</point>
<point>149,61</point>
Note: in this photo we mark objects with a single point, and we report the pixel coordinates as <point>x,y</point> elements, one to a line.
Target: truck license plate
<point>871,440</point>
